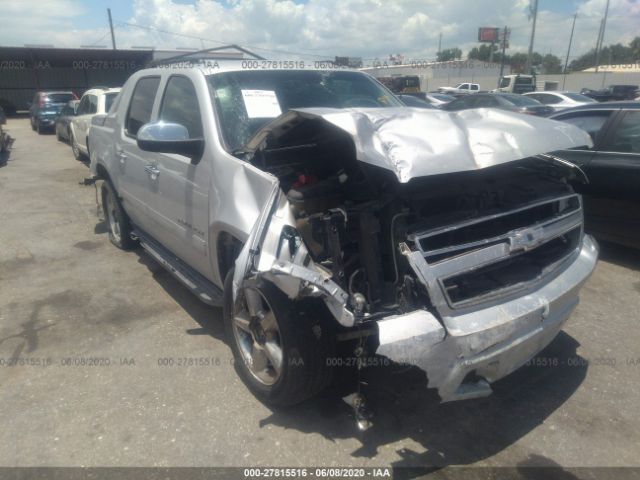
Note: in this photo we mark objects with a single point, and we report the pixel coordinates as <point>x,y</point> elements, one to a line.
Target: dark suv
<point>612,92</point>
<point>46,106</point>
<point>612,196</point>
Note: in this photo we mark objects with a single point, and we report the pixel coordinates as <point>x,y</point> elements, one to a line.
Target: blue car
<point>45,108</point>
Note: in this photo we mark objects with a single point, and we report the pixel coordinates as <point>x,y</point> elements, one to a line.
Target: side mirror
<point>170,138</point>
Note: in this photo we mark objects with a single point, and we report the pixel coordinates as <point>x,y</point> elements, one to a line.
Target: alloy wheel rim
<point>112,216</point>
<point>257,335</point>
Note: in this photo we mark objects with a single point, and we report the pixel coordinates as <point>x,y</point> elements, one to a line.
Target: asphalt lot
<point>97,353</point>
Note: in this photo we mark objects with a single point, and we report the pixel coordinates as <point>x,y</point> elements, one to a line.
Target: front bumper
<point>490,342</point>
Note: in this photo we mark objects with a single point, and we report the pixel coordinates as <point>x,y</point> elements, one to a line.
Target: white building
<point>439,74</point>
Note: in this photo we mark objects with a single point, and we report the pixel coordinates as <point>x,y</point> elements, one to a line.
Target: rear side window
<point>180,105</point>
<point>108,101</point>
<point>591,122</point>
<point>141,104</point>
<point>546,98</point>
<point>626,137</point>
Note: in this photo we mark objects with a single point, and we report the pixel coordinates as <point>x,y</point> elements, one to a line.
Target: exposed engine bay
<point>353,217</point>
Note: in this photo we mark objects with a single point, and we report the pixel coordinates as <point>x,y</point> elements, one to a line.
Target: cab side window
<point>141,104</point>
<point>180,105</point>
<point>591,122</point>
<point>626,138</point>
<point>83,107</point>
<point>93,104</point>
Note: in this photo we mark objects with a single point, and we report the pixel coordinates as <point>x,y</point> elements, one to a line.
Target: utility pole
<point>113,37</point>
<point>534,13</point>
<point>566,62</point>
<point>439,46</point>
<point>603,26</point>
<point>505,32</point>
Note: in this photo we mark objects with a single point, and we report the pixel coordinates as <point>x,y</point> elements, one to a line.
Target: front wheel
<point>281,353</point>
<point>116,218</point>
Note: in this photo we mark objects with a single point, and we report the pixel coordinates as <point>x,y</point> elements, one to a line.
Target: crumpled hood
<point>414,142</point>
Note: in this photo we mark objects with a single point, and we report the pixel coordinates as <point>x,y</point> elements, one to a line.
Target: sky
<point>316,29</point>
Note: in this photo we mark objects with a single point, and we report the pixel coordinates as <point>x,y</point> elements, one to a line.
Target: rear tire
<point>307,344</point>
<point>116,218</point>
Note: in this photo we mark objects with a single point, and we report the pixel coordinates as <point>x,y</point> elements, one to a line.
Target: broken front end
<point>451,239</point>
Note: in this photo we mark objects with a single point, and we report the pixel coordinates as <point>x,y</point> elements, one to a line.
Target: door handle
<point>152,170</point>
<point>121,156</point>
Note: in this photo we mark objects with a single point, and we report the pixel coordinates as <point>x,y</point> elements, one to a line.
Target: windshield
<point>520,100</point>
<point>579,98</point>
<point>247,100</point>
<point>524,80</point>
<point>442,97</point>
<point>58,97</point>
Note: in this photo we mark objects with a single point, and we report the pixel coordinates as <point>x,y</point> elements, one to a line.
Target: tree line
<point>548,63</point>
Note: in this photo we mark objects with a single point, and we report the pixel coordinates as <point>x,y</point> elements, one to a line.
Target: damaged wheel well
<point>228,248</point>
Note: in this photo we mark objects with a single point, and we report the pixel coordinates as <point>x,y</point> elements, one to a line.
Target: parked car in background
<point>504,101</point>
<point>413,101</point>
<point>63,120</point>
<point>612,93</point>
<point>612,196</point>
<point>438,99</point>
<point>516,84</point>
<point>560,100</point>
<point>460,89</point>
<point>321,224</point>
<point>5,139</point>
<point>94,102</point>
<point>45,107</point>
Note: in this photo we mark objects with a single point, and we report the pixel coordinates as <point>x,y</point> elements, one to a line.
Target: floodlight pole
<point>504,48</point>
<point>533,34</point>
<point>113,37</point>
<point>566,62</point>
<point>603,25</point>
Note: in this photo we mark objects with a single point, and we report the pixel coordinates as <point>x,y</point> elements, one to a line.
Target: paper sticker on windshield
<point>261,103</point>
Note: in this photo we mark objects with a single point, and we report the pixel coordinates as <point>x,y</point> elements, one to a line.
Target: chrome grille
<point>481,259</point>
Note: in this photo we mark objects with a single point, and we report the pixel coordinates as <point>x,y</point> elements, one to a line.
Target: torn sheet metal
<point>273,253</point>
<point>415,142</point>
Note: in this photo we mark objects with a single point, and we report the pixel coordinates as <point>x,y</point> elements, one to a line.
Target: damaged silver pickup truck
<point>329,220</point>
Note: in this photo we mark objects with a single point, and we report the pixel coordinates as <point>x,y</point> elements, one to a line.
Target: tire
<point>78,155</point>
<point>116,218</point>
<point>306,343</point>
<point>39,129</point>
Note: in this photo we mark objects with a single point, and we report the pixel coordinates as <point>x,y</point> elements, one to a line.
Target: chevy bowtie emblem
<point>526,238</point>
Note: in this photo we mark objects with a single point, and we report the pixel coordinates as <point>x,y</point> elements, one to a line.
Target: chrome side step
<point>206,291</point>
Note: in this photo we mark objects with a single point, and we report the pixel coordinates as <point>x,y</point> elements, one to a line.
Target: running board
<point>206,291</point>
